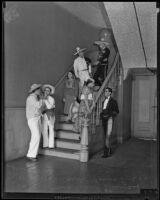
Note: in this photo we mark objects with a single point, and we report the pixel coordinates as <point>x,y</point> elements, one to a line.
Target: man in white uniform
<point>48,119</point>
<point>80,68</point>
<point>34,105</point>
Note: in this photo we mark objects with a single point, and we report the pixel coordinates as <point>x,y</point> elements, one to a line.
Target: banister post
<point>84,142</point>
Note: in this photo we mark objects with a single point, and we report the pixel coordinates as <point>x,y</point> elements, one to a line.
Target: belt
<point>84,70</point>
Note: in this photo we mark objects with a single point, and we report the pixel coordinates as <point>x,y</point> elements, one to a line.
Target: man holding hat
<point>48,119</point>
<point>80,68</point>
<point>34,105</point>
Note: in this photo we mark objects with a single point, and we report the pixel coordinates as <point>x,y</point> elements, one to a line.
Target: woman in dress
<point>73,111</point>
<point>70,91</point>
<point>85,107</point>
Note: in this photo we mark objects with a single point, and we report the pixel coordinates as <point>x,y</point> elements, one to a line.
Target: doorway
<point>144,106</point>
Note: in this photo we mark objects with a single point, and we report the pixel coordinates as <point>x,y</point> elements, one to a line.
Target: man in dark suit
<point>109,112</point>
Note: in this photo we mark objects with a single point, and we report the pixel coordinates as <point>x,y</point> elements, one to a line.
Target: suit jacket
<point>111,110</point>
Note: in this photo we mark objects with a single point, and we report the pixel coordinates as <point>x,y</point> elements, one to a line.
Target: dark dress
<point>102,69</point>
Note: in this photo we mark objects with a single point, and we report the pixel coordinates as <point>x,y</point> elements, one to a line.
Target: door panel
<point>143,118</point>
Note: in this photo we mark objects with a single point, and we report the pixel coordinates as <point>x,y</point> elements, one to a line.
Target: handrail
<point>63,76</point>
<point>107,78</point>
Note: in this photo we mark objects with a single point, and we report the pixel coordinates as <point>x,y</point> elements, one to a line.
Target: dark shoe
<point>109,152</point>
<point>32,159</point>
<point>105,154</point>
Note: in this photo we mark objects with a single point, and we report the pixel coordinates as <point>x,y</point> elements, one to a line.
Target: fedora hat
<point>34,87</point>
<point>78,50</point>
<point>50,87</point>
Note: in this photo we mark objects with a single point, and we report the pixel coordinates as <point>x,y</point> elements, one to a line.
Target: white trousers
<point>48,131</point>
<point>35,128</point>
<point>109,127</point>
<point>84,76</point>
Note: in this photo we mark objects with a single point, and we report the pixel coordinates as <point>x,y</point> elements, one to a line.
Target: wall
<point>96,141</point>
<point>39,46</point>
<point>127,105</point>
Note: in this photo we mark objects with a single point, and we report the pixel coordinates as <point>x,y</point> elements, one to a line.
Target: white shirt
<point>50,102</point>
<point>105,103</point>
<point>33,107</point>
<point>79,65</point>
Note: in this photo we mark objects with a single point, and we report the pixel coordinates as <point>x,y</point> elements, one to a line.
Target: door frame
<point>140,72</point>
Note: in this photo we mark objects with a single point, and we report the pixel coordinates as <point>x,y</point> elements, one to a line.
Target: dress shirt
<point>79,65</point>
<point>50,102</point>
<point>33,107</point>
<point>106,102</point>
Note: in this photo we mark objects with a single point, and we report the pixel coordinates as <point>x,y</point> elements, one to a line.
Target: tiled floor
<point>132,167</point>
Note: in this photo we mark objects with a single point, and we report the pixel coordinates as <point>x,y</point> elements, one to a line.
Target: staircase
<point>67,143</point>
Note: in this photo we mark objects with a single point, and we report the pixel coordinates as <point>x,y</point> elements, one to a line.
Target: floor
<point>132,167</point>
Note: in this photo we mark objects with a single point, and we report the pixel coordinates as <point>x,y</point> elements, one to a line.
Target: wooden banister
<point>63,77</point>
<point>107,78</point>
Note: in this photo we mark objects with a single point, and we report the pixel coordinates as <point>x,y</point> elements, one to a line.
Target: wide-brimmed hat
<point>78,50</point>
<point>49,86</point>
<point>101,42</point>
<point>34,87</point>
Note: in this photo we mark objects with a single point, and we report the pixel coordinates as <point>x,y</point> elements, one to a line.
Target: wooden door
<point>144,107</point>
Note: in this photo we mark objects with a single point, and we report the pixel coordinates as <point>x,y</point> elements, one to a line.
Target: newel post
<point>84,142</point>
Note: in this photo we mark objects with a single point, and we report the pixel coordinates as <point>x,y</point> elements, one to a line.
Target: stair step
<point>63,118</point>
<point>64,126</point>
<point>65,134</point>
<point>68,144</point>
<point>61,152</point>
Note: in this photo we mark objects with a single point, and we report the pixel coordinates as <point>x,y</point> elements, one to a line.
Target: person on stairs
<point>85,107</point>
<point>70,91</point>
<point>73,111</point>
<point>48,118</point>
<point>109,112</point>
<point>102,64</point>
<point>80,68</point>
<point>34,105</point>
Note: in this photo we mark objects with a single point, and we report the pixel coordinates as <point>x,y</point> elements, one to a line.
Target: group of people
<point>40,113</point>
<point>82,73</point>
<point>79,99</point>
<point>80,89</point>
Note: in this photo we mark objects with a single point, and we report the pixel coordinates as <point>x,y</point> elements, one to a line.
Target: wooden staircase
<point>67,143</point>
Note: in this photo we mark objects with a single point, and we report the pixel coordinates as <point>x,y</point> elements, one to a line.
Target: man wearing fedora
<point>102,64</point>
<point>34,105</point>
<point>48,118</point>
<point>80,68</point>
<point>109,112</point>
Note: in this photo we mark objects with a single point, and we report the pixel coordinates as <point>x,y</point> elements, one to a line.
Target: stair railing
<point>111,80</point>
<point>63,76</point>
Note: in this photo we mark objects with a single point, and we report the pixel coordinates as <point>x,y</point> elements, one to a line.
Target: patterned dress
<point>83,113</point>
